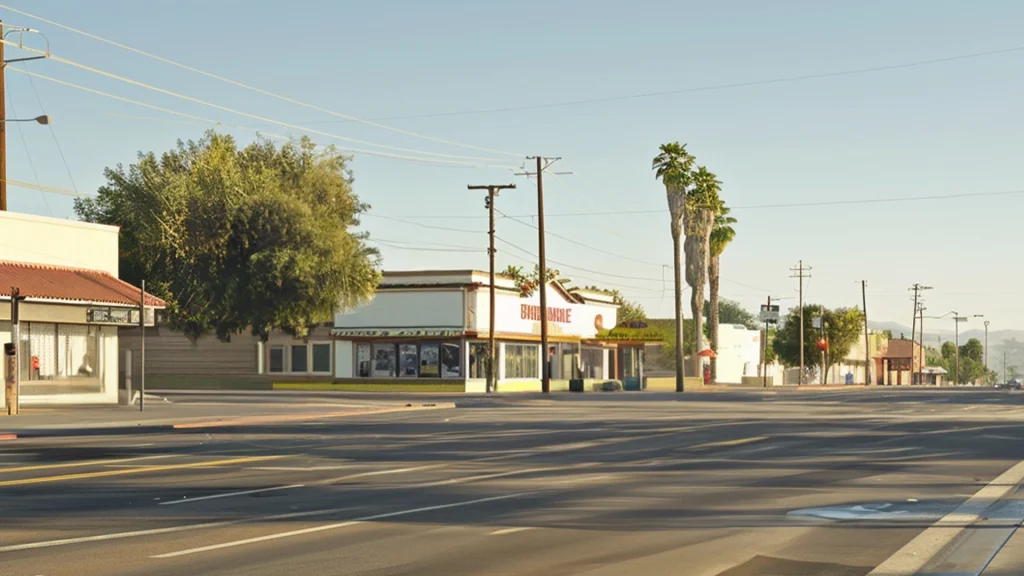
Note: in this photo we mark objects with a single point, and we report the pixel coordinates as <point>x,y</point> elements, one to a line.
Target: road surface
<point>718,484</point>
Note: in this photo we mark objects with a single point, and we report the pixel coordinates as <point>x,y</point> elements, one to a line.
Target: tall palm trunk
<point>714,281</point>
<point>677,264</point>
<point>697,247</point>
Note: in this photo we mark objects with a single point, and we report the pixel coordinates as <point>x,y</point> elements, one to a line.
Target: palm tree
<point>674,167</point>
<point>722,234</point>
<point>702,203</point>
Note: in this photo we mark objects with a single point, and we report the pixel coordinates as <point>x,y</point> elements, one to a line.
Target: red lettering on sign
<point>559,315</point>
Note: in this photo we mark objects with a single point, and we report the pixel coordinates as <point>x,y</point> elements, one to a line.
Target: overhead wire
<point>53,133</point>
<point>451,163</point>
<point>261,91</point>
<point>94,70</point>
<point>706,88</point>
<point>28,154</point>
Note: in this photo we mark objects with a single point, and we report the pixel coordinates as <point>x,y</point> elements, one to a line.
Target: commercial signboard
<point>396,332</point>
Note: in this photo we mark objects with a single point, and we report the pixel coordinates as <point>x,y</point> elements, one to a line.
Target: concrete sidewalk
<point>161,415</point>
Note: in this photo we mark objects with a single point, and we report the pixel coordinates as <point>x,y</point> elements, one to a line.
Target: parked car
<point>1012,384</point>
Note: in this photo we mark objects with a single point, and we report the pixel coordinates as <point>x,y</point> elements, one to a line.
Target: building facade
<point>73,303</point>
<point>434,326</point>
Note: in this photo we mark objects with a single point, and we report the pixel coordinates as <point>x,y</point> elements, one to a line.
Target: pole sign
<point>769,314</point>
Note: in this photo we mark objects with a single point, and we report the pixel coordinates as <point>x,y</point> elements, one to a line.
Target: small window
<point>408,358</point>
<point>276,359</point>
<point>300,362</point>
<point>363,360</point>
<point>478,359</point>
<point>384,360</point>
<point>321,357</point>
<point>429,360</point>
<point>451,360</point>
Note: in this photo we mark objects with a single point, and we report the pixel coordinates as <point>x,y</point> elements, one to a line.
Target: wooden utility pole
<point>801,272</point>
<point>916,288</point>
<point>142,340</point>
<point>542,269</point>
<point>920,359</point>
<point>3,125</point>
<point>492,192</point>
<point>867,341</point>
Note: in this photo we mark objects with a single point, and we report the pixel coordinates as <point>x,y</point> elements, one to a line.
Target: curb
<point>203,424</point>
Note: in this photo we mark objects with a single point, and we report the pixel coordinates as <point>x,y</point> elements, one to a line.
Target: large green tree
<point>843,326</point>
<point>674,167</point>
<point>235,239</point>
<point>722,233</point>
<point>731,312</point>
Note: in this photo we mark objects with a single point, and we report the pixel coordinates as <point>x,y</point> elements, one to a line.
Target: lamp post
<point>986,349</point>
<point>957,319</point>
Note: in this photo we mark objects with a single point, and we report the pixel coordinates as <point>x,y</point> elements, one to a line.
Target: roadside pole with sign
<point>769,315</point>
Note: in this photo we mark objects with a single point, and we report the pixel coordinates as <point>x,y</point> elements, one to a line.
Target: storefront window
<point>300,361</point>
<point>429,360</point>
<point>478,359</point>
<point>60,352</point>
<point>408,358</point>
<point>384,360</point>
<point>363,363</point>
<point>521,361</point>
<point>276,359</point>
<point>593,363</point>
<point>321,357</point>
<point>451,360</point>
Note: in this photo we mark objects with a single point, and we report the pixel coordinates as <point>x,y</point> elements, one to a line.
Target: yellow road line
<point>81,463</point>
<point>728,443</point>
<point>122,472</point>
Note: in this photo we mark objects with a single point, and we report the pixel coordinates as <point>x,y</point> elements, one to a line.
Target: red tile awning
<point>69,284</point>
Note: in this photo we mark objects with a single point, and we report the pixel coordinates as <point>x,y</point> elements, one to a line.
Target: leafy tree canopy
<point>973,350</point>
<point>256,238</point>
<point>843,326</point>
<point>730,312</point>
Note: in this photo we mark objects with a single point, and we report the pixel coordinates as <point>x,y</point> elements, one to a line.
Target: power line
<point>236,126</point>
<point>764,206</point>
<point>346,117</point>
<point>428,226</point>
<point>28,154</point>
<point>421,249</point>
<point>257,117</point>
<point>53,133</point>
<point>707,88</point>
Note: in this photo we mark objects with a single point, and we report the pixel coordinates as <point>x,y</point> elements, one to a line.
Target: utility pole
<point>801,272</point>
<point>920,360</point>
<point>867,341</point>
<point>142,339</point>
<point>986,349</point>
<point>916,288</point>
<point>492,192</point>
<point>764,346</point>
<point>12,382</point>
<point>4,29</point>
<point>542,266</point>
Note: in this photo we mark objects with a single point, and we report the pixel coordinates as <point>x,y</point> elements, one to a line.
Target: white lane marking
<point>510,530</point>
<point>229,494</point>
<point>334,526</point>
<point>910,559</point>
<point>581,478</point>
<point>170,529</point>
<point>298,468</point>
<point>483,477</point>
<point>381,473</point>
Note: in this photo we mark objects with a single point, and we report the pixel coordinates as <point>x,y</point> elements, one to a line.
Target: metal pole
<point>543,281</point>
<point>764,346</point>
<point>956,322</point>
<point>801,380</point>
<point>986,349</point>
<point>142,338</point>
<point>920,359</point>
<point>867,341</point>
<point>490,322</point>
<point>492,357</point>
<point>3,125</point>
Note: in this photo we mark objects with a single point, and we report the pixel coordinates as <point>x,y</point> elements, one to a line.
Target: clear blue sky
<point>932,130</point>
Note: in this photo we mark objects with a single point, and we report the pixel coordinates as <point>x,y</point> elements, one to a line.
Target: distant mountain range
<point>932,337</point>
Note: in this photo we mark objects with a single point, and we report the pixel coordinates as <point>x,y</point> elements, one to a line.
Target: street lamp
<point>44,119</point>
<point>957,319</point>
<point>986,349</point>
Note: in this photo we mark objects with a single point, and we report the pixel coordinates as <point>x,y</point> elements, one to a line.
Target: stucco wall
<point>57,242</point>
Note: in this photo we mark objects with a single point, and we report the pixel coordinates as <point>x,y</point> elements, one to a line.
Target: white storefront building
<point>66,271</point>
<point>434,325</point>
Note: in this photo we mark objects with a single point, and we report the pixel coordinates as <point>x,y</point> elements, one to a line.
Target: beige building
<point>72,304</point>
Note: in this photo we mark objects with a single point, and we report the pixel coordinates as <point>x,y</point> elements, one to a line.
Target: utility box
<point>11,378</point>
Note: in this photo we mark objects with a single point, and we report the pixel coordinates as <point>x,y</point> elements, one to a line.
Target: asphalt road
<point>723,484</point>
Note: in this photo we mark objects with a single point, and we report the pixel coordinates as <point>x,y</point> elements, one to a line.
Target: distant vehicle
<point>1012,384</point>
